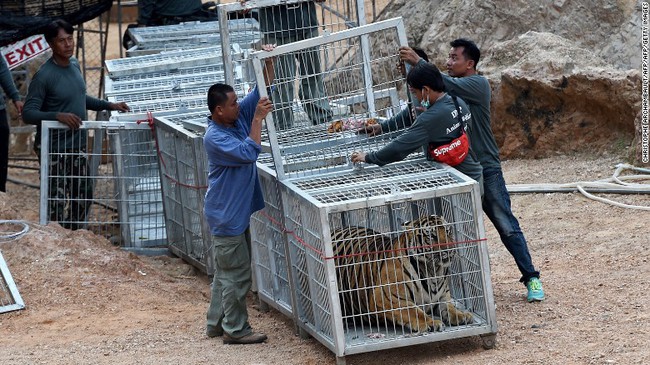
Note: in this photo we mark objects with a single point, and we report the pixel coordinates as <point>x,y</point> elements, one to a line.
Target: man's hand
<point>119,107</point>
<point>358,157</point>
<point>69,119</point>
<point>408,55</point>
<point>370,130</point>
<point>264,107</point>
<point>269,70</point>
<point>19,106</point>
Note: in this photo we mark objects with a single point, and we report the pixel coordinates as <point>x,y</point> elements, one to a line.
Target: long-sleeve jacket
<point>438,125</point>
<point>234,191</point>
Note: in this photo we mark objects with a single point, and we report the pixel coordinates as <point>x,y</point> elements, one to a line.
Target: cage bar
<point>10,299</point>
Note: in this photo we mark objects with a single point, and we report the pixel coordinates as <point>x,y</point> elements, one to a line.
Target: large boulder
<point>551,96</point>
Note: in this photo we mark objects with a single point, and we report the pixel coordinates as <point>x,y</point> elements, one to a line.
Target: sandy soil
<point>90,302</point>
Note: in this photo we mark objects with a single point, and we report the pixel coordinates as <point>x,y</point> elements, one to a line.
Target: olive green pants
<point>231,283</point>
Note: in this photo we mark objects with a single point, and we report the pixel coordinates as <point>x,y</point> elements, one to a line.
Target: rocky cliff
<point>564,73</point>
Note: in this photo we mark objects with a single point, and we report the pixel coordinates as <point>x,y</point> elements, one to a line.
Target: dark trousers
<point>4,149</point>
<point>70,190</point>
<point>496,205</point>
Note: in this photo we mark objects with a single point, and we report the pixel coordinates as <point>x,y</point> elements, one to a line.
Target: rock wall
<point>564,73</point>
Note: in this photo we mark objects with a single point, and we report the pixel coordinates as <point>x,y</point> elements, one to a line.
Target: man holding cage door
<point>58,92</point>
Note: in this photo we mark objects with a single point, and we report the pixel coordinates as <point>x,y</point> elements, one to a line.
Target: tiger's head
<point>428,240</point>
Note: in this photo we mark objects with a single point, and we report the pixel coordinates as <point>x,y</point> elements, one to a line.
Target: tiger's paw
<point>456,317</point>
<point>437,325</point>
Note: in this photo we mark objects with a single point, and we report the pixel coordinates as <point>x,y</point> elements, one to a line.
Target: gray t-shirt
<point>475,91</point>
<point>59,89</point>
<point>438,125</point>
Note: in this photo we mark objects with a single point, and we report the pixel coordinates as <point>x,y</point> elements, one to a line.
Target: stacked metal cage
<point>189,35</point>
<point>358,237</point>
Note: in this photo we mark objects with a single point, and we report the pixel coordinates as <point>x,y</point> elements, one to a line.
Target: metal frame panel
<point>388,28</point>
<point>184,182</point>
<point>10,299</point>
<point>122,171</point>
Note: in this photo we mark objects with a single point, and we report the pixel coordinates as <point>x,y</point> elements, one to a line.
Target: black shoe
<point>246,340</point>
<point>212,331</point>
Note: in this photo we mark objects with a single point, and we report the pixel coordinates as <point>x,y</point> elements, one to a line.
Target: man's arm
<point>401,147</point>
<point>232,152</point>
<point>95,104</point>
<point>472,89</point>
<point>32,113</point>
<point>7,83</point>
<point>264,106</point>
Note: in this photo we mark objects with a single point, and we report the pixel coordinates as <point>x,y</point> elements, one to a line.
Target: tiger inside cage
<point>400,282</point>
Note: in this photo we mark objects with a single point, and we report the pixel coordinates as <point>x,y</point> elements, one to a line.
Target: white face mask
<point>426,103</point>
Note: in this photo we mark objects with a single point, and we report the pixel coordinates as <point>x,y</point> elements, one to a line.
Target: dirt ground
<point>89,302</point>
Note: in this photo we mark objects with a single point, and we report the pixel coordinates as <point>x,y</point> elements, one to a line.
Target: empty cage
<point>103,177</point>
<point>183,176</point>
<point>362,89</point>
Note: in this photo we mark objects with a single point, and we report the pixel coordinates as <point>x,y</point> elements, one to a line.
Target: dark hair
<point>470,50</point>
<point>218,95</point>
<point>420,52</point>
<point>425,74</point>
<point>52,30</point>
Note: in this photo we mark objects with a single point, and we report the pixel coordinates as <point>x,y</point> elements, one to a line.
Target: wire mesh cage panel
<point>163,61</point>
<point>365,82</point>
<point>103,177</point>
<point>142,35</point>
<point>164,80</point>
<point>183,176</point>
<point>269,248</point>
<point>388,257</point>
<point>282,23</point>
<point>10,299</point>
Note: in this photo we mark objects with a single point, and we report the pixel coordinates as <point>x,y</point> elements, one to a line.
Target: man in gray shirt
<point>58,92</point>
<point>464,81</point>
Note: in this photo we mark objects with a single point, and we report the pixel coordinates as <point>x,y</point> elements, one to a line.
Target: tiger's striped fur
<point>432,259</point>
<point>378,279</point>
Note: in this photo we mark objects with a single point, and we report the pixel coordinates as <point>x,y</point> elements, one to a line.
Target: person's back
<point>163,12</point>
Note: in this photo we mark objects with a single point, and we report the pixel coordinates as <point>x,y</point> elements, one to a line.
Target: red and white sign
<point>20,52</point>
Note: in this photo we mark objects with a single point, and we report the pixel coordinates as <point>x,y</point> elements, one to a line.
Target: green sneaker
<point>535,290</point>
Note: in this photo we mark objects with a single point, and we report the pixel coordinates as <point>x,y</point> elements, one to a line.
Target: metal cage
<point>183,175</point>
<point>103,177</point>
<point>355,233</point>
<point>332,277</point>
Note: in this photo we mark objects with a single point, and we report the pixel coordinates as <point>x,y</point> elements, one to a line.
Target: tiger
<point>376,276</point>
<point>432,264</point>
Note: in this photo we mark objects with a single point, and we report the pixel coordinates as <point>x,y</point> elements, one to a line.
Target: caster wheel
<point>489,341</point>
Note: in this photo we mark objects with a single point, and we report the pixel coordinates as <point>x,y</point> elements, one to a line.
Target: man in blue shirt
<point>233,143</point>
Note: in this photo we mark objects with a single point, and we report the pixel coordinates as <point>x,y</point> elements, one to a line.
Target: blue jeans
<point>496,205</point>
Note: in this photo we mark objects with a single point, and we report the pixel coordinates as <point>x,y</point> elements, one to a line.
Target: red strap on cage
<point>152,126</point>
<point>322,255</point>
